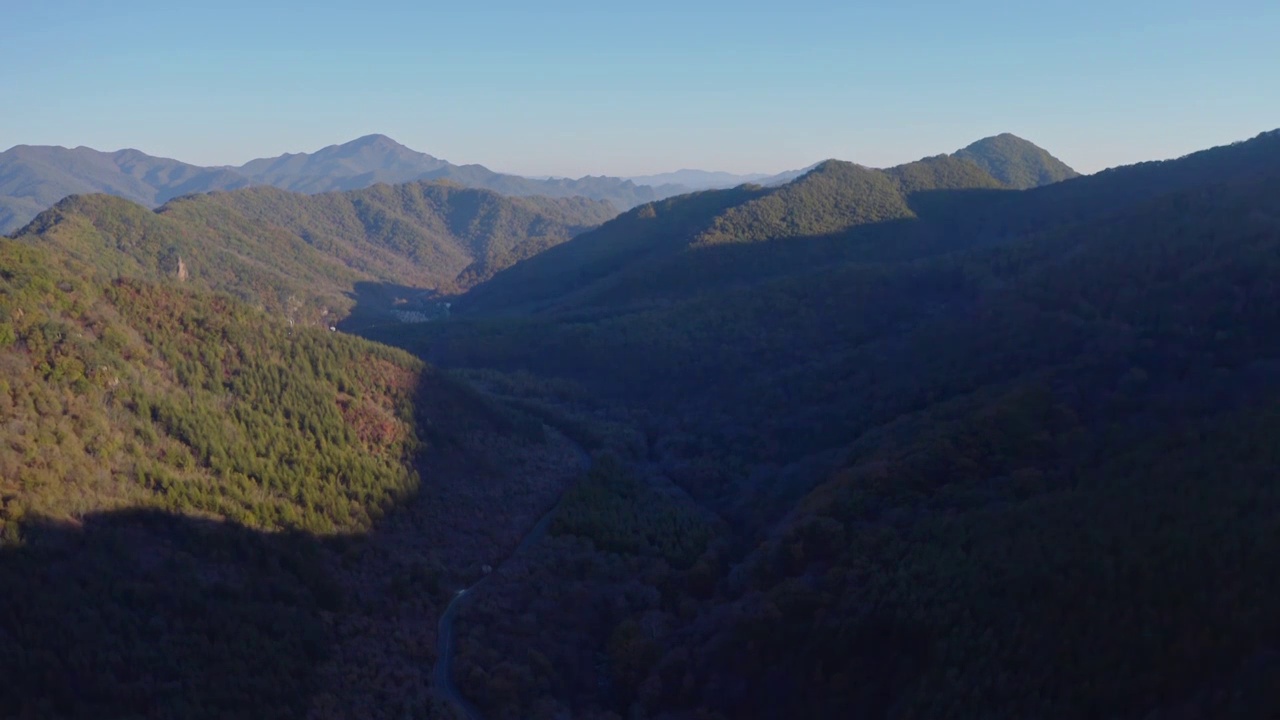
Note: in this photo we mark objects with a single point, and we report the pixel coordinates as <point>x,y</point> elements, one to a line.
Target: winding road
<point>442,675</point>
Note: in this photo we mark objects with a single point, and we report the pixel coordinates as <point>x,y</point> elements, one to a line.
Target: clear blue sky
<point>571,88</point>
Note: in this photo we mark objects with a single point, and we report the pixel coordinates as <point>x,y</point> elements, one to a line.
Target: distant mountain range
<point>350,166</point>
<point>713,180</point>
<point>1006,157</point>
<point>377,158</point>
<point>33,178</point>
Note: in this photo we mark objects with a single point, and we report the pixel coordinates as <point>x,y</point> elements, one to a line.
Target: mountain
<point>34,178</point>
<point>713,180</point>
<point>616,191</point>
<point>16,212</point>
<point>451,236</point>
<point>1008,158</point>
<point>377,158</point>
<point>1016,162</point>
<point>692,243</point>
<point>932,206</point>
<point>699,179</point>
<point>785,176</point>
<point>310,255</point>
<point>357,164</point>
<point>906,445</point>
<point>890,443</point>
<point>243,489</point>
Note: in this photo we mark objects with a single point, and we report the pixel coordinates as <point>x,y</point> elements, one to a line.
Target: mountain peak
<point>376,144</point>
<point>1016,162</point>
<point>1004,140</point>
<point>831,166</point>
<point>375,141</point>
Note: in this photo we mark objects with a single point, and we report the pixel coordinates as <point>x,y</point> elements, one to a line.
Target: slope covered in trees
<point>694,243</point>
<point>934,206</point>
<point>1025,472</point>
<point>185,394</point>
<point>304,256</point>
<point>220,251</point>
<point>453,236</point>
<point>208,511</point>
<point>883,443</point>
<point>1015,162</point>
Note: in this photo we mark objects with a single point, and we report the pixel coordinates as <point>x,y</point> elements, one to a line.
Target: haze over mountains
<point>708,180</point>
<point>33,178</point>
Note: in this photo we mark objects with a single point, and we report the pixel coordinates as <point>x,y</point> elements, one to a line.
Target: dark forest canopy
<point>875,443</point>
<point>983,452</point>
<point>197,497</point>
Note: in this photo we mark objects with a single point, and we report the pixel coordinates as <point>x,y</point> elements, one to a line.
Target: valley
<point>971,436</point>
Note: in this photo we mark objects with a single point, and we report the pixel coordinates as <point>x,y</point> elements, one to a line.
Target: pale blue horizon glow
<point>571,88</point>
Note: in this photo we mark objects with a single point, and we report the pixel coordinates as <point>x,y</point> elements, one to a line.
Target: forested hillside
<point>310,257</point>
<point>219,250</point>
<point>875,443</point>
<point>695,243</point>
<point>196,498</point>
<point>452,236</point>
<point>1017,465</point>
<point>1016,162</point>
<point>185,394</point>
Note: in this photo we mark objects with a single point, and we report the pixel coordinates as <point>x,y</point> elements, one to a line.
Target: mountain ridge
<point>835,208</point>
<point>900,442</point>
<point>34,177</point>
<point>309,255</point>
<point>1016,162</point>
<point>1018,467</point>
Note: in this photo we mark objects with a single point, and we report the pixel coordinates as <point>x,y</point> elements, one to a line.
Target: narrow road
<point>442,675</point>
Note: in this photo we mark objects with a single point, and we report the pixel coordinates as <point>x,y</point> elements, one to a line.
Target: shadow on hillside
<point>597,274</point>
<point>623,271</point>
<point>378,304</point>
<point>144,614</point>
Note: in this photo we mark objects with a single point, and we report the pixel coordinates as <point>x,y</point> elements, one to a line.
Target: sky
<point>574,88</point>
